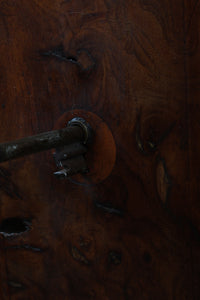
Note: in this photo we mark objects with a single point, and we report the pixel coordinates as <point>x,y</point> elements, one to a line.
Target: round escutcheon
<point>101,154</point>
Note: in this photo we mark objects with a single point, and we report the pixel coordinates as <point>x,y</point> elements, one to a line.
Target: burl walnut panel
<point>134,235</point>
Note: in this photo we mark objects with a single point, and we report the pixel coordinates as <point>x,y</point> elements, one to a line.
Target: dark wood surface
<point>134,235</point>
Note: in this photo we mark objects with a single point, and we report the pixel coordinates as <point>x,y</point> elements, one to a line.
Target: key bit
<point>61,174</point>
<point>68,152</point>
<point>72,166</point>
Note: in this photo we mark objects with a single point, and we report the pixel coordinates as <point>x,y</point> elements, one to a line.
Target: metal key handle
<point>70,143</point>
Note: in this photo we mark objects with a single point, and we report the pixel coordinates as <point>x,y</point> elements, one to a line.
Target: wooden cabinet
<point>130,230</point>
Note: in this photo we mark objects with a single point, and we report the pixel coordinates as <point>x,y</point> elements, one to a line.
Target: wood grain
<point>134,235</point>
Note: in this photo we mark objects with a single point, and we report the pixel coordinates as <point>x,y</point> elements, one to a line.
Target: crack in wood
<point>12,227</point>
<point>84,59</point>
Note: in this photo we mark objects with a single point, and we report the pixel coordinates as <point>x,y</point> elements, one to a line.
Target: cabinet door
<point>129,229</point>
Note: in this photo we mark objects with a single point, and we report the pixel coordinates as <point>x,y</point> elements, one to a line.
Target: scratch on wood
<point>163,180</point>
<point>78,256</point>
<point>16,285</point>
<point>109,209</point>
<point>59,53</point>
<point>26,247</point>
